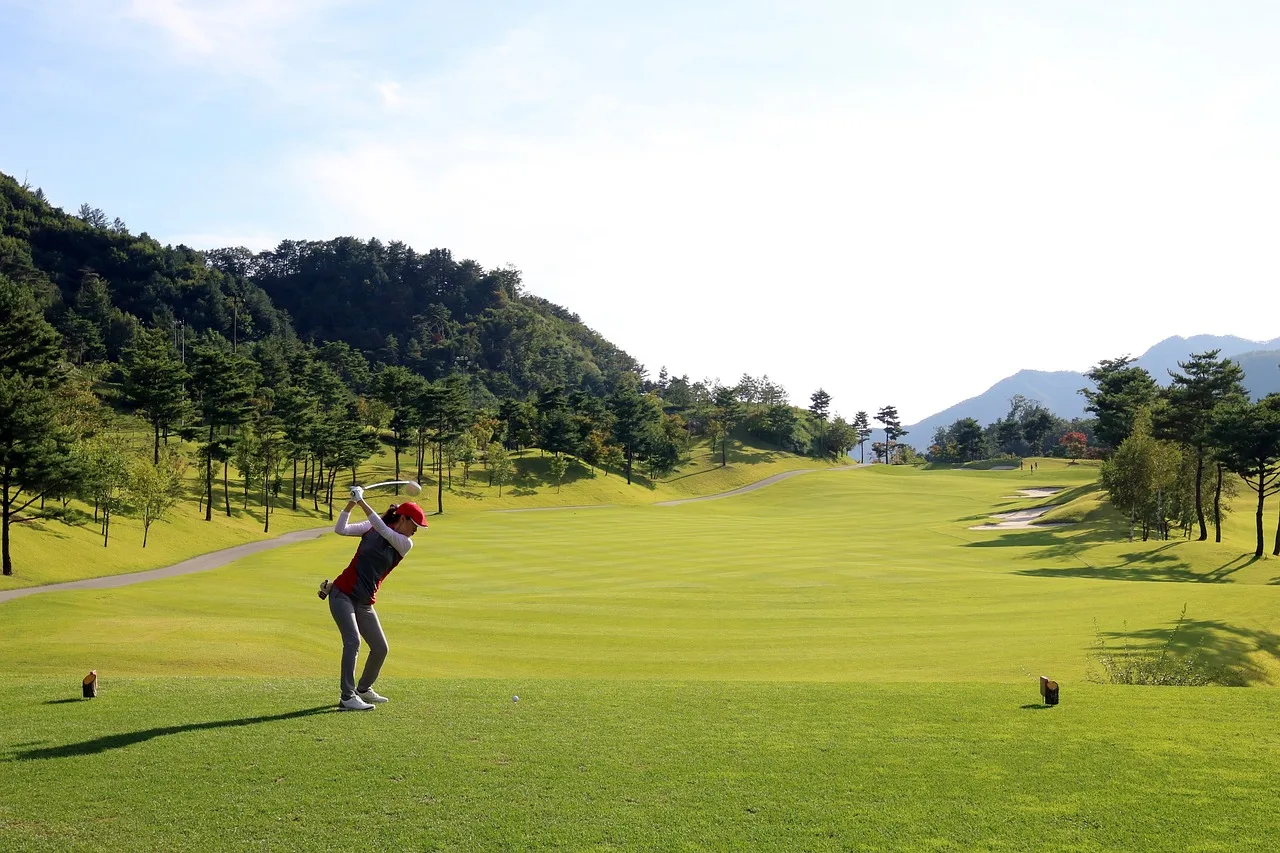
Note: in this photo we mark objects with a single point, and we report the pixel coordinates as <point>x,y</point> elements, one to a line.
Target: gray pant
<point>356,621</point>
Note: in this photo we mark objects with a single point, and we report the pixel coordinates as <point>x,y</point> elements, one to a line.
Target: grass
<point>50,551</point>
<point>209,764</point>
<point>834,662</point>
<point>868,575</point>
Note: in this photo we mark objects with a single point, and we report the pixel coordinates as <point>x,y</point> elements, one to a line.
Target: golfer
<point>384,541</point>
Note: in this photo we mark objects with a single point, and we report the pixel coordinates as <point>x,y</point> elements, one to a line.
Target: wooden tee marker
<point>91,684</point>
<point>1049,690</point>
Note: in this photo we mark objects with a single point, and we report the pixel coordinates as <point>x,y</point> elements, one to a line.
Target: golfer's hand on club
<point>357,494</point>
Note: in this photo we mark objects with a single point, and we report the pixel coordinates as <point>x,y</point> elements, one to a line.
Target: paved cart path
<point>200,563</point>
<point>216,559</point>
<point>767,481</point>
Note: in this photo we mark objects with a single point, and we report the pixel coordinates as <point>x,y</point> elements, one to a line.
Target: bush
<point>1163,668</point>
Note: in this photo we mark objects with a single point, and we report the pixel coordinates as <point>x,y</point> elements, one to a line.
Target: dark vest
<point>374,559</point>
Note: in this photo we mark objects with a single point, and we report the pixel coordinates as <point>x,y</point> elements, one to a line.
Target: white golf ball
<point>515,698</point>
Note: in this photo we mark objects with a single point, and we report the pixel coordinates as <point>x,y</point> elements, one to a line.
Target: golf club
<point>410,486</point>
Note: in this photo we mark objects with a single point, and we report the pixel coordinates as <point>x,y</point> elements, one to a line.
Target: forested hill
<point>435,315</point>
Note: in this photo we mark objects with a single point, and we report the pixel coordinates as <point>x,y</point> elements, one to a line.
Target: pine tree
<point>1206,381</point>
<point>729,412</point>
<point>1247,436</point>
<point>155,383</point>
<point>32,448</point>
<point>888,417</point>
<point>222,386</point>
<point>632,416</point>
<point>447,411</point>
<point>862,424</point>
<point>1119,391</point>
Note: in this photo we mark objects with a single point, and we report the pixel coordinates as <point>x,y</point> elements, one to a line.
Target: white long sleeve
<point>342,528</point>
<point>398,541</point>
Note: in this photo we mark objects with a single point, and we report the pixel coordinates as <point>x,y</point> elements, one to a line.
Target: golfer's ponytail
<point>390,517</point>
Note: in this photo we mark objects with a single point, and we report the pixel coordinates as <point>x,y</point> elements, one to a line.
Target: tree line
<point>1028,429</point>
<point>1171,455</point>
<point>448,365</point>
<point>295,420</point>
<point>1171,450</point>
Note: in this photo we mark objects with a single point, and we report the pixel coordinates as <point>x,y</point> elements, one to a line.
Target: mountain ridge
<point>1059,390</point>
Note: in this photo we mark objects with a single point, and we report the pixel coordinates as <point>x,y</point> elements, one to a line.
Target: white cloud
<point>390,92</point>
<point>263,40</point>
<point>911,257</point>
<point>899,208</point>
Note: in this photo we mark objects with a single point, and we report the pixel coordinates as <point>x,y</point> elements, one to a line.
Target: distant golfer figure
<point>384,541</point>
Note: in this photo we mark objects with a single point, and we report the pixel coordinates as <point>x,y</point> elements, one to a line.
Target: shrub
<point>1163,667</point>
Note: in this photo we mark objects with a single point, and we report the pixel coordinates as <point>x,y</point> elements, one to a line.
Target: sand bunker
<point>1003,468</point>
<point>1021,519</point>
<point>1035,493</point>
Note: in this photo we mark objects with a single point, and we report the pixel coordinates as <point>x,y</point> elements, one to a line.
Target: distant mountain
<point>1261,372</point>
<point>1058,391</point>
<point>1164,356</point>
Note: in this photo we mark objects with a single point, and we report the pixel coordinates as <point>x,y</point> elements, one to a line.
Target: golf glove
<point>357,494</point>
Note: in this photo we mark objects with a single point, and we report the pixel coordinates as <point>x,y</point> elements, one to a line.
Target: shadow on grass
<point>1218,645</point>
<point>64,701</point>
<point>1054,542</point>
<point>1157,568</point>
<point>118,741</point>
<point>1038,706</point>
<point>691,474</point>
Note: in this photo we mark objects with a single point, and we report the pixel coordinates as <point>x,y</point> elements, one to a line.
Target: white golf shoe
<point>355,703</point>
<point>370,696</point>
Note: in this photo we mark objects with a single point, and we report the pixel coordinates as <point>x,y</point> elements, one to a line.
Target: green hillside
<point>51,550</point>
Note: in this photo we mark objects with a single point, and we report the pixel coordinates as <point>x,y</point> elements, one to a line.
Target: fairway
<point>835,661</point>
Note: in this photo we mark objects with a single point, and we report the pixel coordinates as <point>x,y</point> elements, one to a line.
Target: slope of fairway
<point>48,551</point>
<point>216,764</point>
<point>860,575</point>
<point>833,662</point>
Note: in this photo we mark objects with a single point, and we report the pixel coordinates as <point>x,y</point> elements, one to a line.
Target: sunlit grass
<point>47,550</point>
<point>230,764</point>
<point>834,662</point>
<point>865,575</point>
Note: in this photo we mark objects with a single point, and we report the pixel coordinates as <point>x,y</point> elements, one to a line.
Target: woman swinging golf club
<point>384,541</point>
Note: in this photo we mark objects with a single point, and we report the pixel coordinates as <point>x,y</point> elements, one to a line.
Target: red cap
<point>413,512</point>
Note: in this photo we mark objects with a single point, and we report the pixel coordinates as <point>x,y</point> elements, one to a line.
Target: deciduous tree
<point>155,488</point>
<point>557,467</point>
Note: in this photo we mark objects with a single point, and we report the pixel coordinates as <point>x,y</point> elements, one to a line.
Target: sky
<point>900,203</point>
